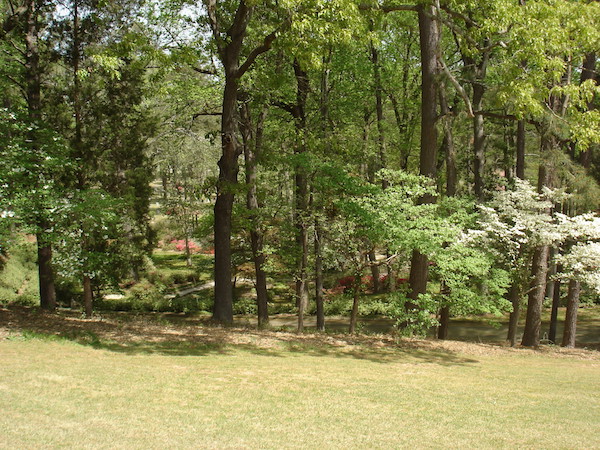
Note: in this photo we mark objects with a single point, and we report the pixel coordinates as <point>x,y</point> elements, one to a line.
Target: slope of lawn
<point>139,382</point>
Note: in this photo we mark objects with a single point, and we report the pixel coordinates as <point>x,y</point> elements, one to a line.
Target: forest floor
<point>145,331</point>
<point>148,381</point>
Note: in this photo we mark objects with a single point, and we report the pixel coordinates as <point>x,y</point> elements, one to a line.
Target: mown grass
<point>264,391</point>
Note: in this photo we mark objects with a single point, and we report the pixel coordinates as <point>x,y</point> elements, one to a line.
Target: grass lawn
<point>128,382</point>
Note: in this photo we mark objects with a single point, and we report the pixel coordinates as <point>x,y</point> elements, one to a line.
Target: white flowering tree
<point>580,264</point>
<point>517,222</point>
<point>514,223</point>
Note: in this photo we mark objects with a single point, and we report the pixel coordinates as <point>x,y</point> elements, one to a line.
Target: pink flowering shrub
<point>180,245</point>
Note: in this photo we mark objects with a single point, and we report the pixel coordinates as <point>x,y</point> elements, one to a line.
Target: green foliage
<point>35,161</point>
<point>245,306</point>
<point>18,278</point>
<point>419,318</point>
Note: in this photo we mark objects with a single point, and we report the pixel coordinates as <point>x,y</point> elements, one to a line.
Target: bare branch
<point>457,86</point>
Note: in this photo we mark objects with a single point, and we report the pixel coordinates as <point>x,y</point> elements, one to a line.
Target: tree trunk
<point>588,72</point>
<point>355,299</point>
<point>514,296</point>
<point>539,270</point>
<point>188,252</point>
<point>478,141</point>
<point>531,333</point>
<point>319,278</point>
<point>551,272</point>
<point>520,170</point>
<point>87,297</point>
<point>301,281</point>
<point>450,157</point>
<point>555,306</point>
<point>302,195</point>
<point>33,93</point>
<point>429,44</point>
<point>228,172</point>
<point>379,111</point>
<point>571,317</point>
<point>229,49</point>
<point>391,275</point>
<point>252,146</point>
<point>419,272</point>
<point>448,146</point>
<point>46,275</point>
<point>375,272</point>
<point>444,322</point>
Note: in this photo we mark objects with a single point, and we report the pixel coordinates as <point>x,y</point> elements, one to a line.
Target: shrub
<point>245,306</point>
<point>145,296</point>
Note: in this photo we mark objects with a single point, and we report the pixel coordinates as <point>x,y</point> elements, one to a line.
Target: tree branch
<point>457,86</point>
<point>287,107</point>
<point>204,71</point>
<point>466,19</point>
<point>264,47</point>
<point>211,9</point>
<point>388,8</point>
<point>206,113</point>
<point>493,115</point>
<point>11,22</point>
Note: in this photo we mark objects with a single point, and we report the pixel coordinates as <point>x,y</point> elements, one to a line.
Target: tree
<point>229,29</point>
<point>429,44</point>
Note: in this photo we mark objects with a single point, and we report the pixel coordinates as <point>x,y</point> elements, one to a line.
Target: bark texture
<point>533,322</point>
<point>571,317</point>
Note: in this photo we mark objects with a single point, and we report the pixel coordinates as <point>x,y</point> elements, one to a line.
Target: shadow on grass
<point>140,336</point>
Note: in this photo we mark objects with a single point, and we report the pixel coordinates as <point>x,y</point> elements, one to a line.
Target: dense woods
<point>428,159</point>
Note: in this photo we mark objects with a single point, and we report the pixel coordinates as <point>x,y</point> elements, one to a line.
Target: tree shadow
<point>144,335</point>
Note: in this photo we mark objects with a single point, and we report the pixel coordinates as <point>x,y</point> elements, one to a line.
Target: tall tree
<point>229,30</point>
<point>429,44</point>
